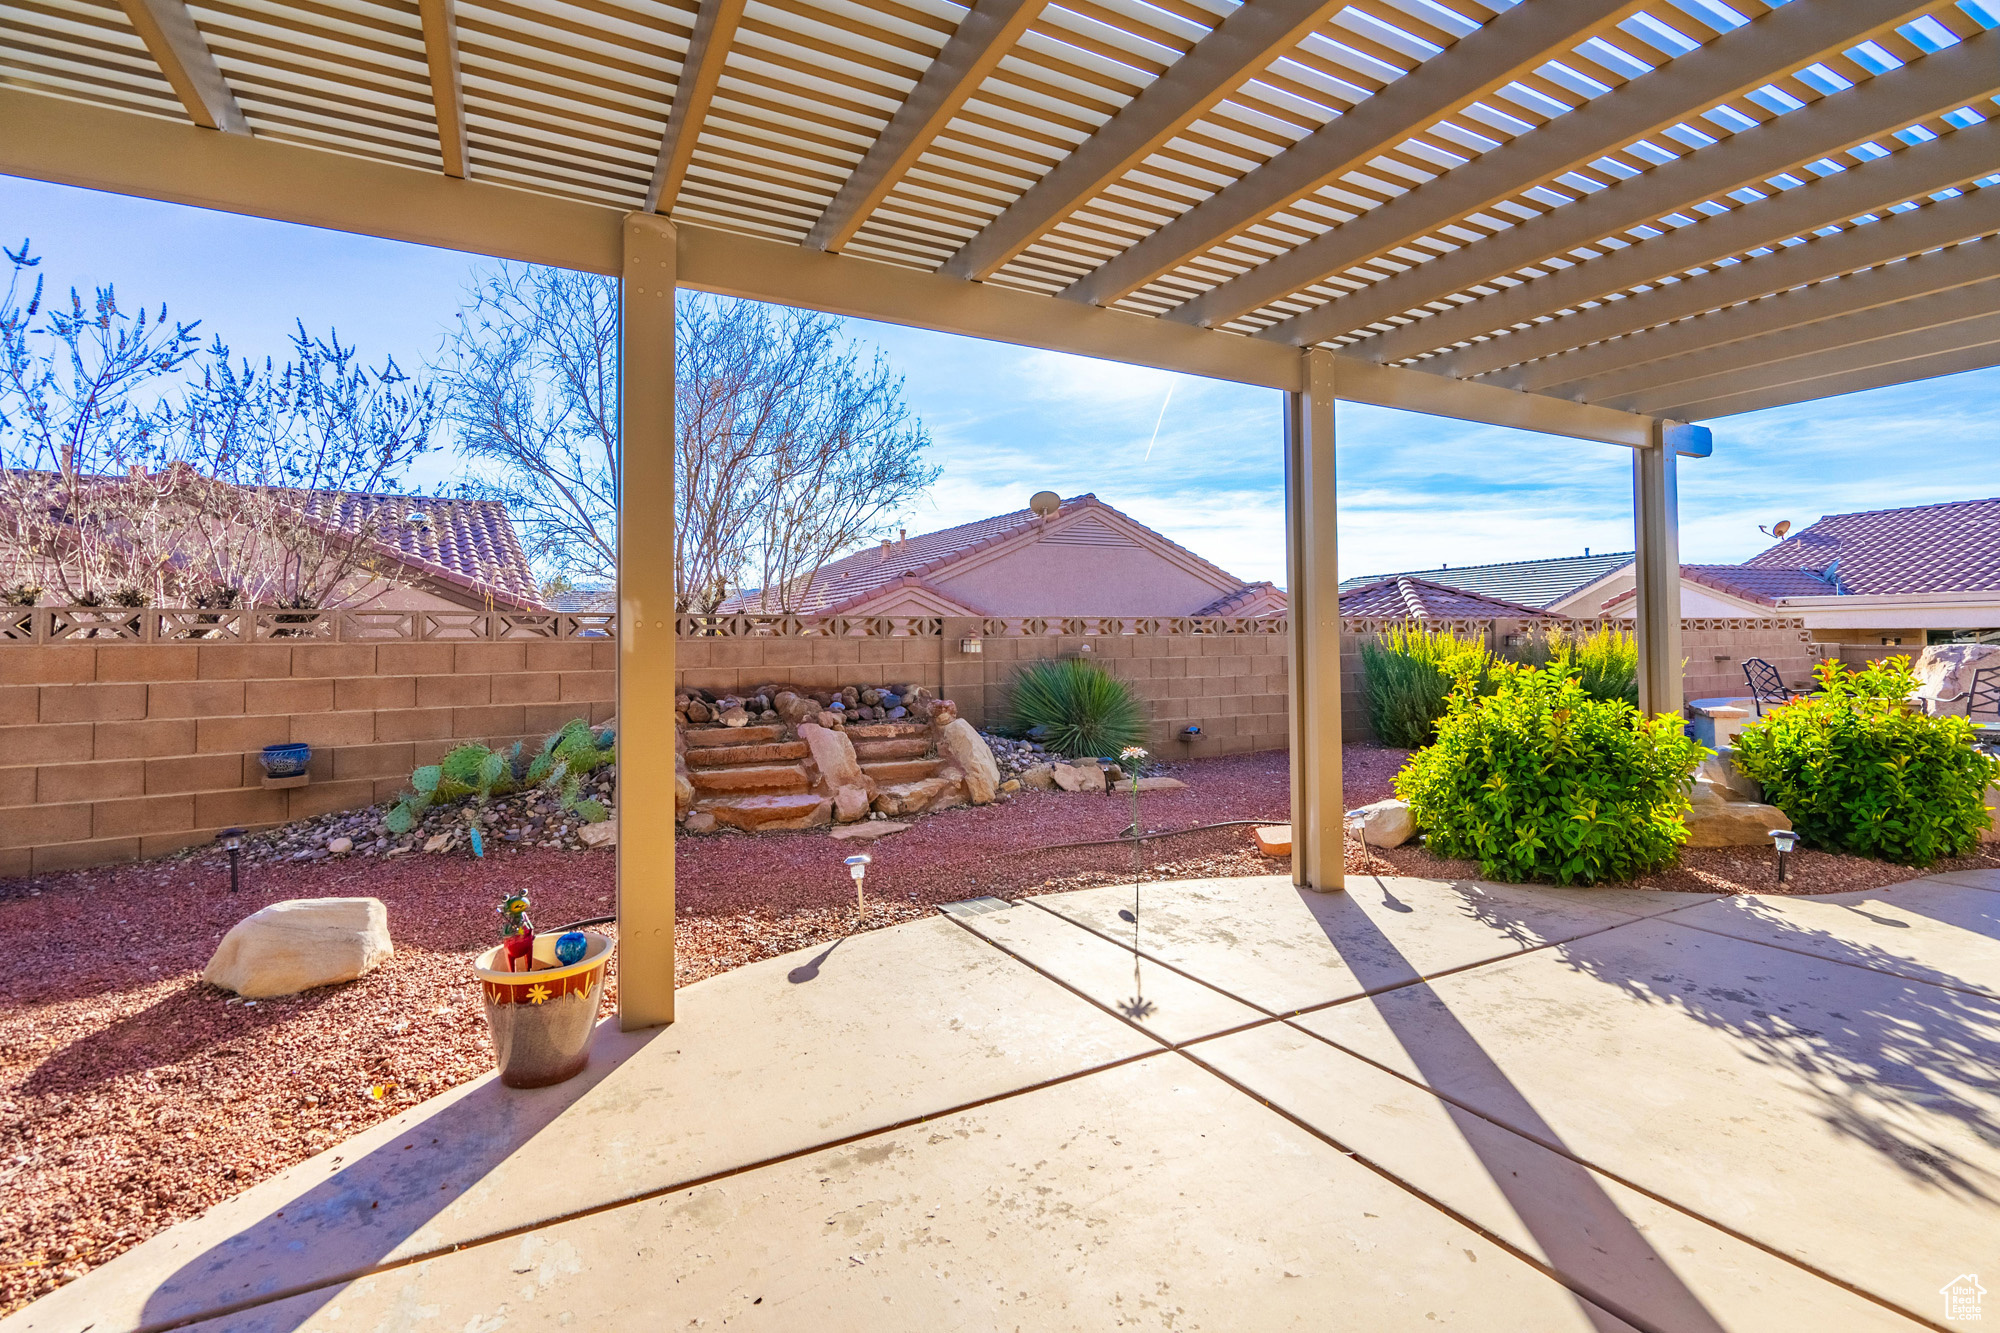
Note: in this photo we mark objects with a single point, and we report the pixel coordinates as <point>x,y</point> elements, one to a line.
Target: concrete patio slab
<point>1630,1253</point>
<point>1976,879</point>
<point>1927,930</point>
<point>1267,942</point>
<point>1845,1117</point>
<point>1160,1001</point>
<point>779,1057</point>
<point>915,1128</point>
<point>1151,1194</point>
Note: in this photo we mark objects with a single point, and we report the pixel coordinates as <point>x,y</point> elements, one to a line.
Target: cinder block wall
<point>1232,685</point>
<point>120,750</point>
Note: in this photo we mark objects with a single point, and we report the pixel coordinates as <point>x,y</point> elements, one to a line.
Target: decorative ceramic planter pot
<point>286,761</point>
<point>541,1021</point>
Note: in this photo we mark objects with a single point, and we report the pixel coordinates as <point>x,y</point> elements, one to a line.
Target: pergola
<point>1603,219</point>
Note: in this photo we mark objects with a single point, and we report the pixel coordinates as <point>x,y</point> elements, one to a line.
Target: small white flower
<point>1131,752</point>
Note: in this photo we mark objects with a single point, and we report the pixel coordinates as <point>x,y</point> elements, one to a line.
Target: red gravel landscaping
<point>133,1095</point>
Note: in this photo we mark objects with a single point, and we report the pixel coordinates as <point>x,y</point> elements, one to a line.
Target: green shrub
<point>1538,780</point>
<point>1859,770</point>
<point>1606,660</point>
<point>474,770</point>
<point>1076,707</point>
<point>1408,673</point>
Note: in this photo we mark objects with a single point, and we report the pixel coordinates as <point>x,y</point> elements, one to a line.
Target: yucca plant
<point>1076,707</point>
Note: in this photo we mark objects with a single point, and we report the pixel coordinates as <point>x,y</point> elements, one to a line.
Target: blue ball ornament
<point>570,948</point>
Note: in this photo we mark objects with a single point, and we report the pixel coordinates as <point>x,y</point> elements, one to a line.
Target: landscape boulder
<point>1945,670</point>
<point>1716,821</point>
<point>869,830</point>
<point>840,775</point>
<point>912,798</point>
<point>1079,777</point>
<point>300,943</point>
<point>850,804</point>
<point>1719,771</point>
<point>604,833</point>
<point>1042,777</point>
<point>960,742</point>
<point>1383,823</point>
<point>1161,784</point>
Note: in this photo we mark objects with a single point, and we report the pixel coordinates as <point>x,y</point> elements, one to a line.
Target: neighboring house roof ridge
<point>1405,596</point>
<point>1534,583</point>
<point>863,575</point>
<point>1259,598</point>
<point>472,545</point>
<point>1953,546</point>
<point>1765,587</point>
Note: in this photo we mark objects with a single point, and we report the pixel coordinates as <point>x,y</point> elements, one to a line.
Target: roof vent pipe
<point>885,548</point>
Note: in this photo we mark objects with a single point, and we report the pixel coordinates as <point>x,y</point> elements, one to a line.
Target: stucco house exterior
<point>1086,558</point>
<point>1910,577</point>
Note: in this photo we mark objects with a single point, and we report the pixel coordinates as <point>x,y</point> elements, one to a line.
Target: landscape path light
<point>857,866</point>
<point>232,842</point>
<point>1785,840</point>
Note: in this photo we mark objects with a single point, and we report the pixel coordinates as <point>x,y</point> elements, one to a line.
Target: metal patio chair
<point>1766,685</point>
<point>1983,699</point>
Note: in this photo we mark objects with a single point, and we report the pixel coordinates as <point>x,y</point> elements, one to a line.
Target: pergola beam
<point>1236,50</point>
<point>1948,80</point>
<point>1935,288</point>
<point>1595,333</point>
<point>1511,44</point>
<point>440,21</point>
<point>1849,349</point>
<point>987,32</point>
<point>701,70</point>
<point>182,54</point>
<point>102,149</point>
<point>1733,63</point>
<point>1884,376</point>
<point>1940,164</point>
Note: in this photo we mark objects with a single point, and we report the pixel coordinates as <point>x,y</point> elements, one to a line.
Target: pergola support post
<point>1657,574</point>
<point>646,623</point>
<point>1318,857</point>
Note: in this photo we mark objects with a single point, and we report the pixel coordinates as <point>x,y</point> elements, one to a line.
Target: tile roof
<point>1952,547</point>
<point>1534,583</point>
<point>1764,586</point>
<point>857,578</point>
<point>468,543</point>
<point>1405,597</point>
<point>1261,598</point>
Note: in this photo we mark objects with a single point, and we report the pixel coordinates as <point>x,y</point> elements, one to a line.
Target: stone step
<point>789,810</point>
<point>889,771</point>
<point>884,731</point>
<point>912,747</point>
<point>703,736</point>
<point>758,778</point>
<point>727,756</point>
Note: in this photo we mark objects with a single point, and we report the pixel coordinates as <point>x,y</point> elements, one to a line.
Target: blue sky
<point>1415,491</point>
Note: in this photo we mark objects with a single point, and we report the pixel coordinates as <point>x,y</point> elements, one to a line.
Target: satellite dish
<point>1044,502</point>
<point>1776,531</point>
